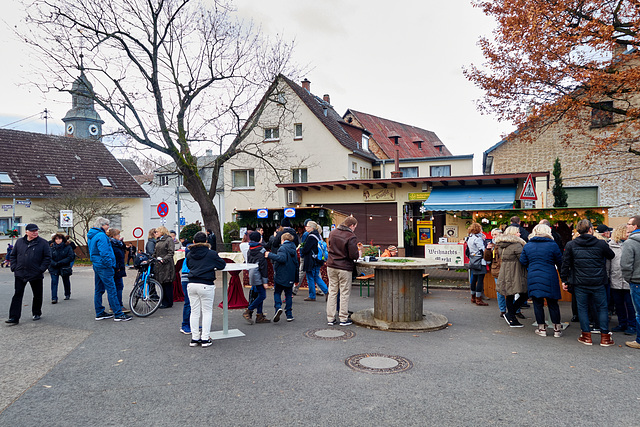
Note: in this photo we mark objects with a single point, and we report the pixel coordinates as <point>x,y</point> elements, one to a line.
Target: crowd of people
<point>601,270</point>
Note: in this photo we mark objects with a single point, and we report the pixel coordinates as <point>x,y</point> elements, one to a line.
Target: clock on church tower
<point>82,120</point>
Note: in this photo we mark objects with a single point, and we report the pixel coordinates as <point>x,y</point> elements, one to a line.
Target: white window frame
<point>405,171</point>
<point>105,181</point>
<point>297,175</point>
<point>272,134</point>
<point>297,131</point>
<point>163,180</point>
<point>7,220</point>
<point>439,166</point>
<point>250,179</point>
<point>354,167</point>
<point>5,178</point>
<point>53,180</point>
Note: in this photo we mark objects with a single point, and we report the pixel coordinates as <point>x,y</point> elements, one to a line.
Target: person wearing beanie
<point>309,253</point>
<point>258,278</point>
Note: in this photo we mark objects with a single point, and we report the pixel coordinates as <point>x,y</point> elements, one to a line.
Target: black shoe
<point>206,343</point>
<point>36,317</point>
<point>575,318</point>
<point>103,316</point>
<point>515,324</point>
<point>347,323</point>
<point>276,318</point>
<point>123,318</point>
<point>12,322</point>
<point>194,343</point>
<point>68,297</point>
<point>520,316</point>
<point>54,301</point>
<point>164,306</point>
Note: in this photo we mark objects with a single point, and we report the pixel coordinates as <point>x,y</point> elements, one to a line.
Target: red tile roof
<point>77,163</point>
<point>381,129</point>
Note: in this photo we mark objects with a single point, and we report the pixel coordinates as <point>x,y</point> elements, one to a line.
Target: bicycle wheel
<point>145,305</point>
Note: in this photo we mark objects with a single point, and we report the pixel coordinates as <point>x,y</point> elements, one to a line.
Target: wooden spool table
<point>398,296</point>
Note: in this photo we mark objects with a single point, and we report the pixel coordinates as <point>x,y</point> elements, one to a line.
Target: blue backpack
<point>323,251</point>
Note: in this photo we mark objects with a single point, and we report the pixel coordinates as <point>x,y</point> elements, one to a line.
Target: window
<point>582,196</point>
<point>300,175</point>
<point>104,181</point>
<point>376,174</point>
<point>602,117</point>
<point>164,180</point>
<point>411,172</point>
<point>444,170</point>
<point>6,225</point>
<point>243,179</point>
<point>115,220</point>
<point>53,180</point>
<point>271,134</point>
<point>354,167</point>
<point>365,142</point>
<point>5,178</point>
<point>297,131</point>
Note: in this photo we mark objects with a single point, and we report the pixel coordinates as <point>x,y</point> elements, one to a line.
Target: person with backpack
<point>313,252</point>
<point>285,266</point>
<point>258,278</point>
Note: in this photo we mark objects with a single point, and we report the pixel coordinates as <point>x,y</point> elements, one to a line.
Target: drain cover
<point>330,334</point>
<point>375,363</point>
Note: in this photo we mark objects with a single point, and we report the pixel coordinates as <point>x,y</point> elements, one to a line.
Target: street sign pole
<point>13,220</point>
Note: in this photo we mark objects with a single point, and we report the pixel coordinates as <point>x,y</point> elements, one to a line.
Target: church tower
<point>82,120</point>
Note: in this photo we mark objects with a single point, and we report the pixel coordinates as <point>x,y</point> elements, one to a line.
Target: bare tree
<point>86,208</point>
<point>175,75</point>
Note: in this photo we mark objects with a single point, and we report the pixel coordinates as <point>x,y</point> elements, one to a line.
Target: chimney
<point>326,98</point>
<point>397,173</point>
<point>209,152</point>
<point>306,85</point>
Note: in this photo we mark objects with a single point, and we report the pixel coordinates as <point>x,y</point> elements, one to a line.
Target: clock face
<point>93,130</point>
<point>70,129</point>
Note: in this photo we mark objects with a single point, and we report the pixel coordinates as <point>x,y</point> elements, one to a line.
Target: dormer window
<point>104,181</point>
<point>365,142</point>
<point>53,180</point>
<point>5,178</point>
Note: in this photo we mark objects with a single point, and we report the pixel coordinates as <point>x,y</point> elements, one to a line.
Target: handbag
<point>475,263</point>
<point>66,271</point>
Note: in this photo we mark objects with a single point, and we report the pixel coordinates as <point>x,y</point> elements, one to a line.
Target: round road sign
<point>137,232</point>
<point>163,209</point>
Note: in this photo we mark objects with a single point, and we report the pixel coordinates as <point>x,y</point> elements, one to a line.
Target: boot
<point>473,299</point>
<point>606,340</point>
<point>247,316</point>
<point>585,338</point>
<point>480,302</point>
<point>261,318</point>
<point>557,330</point>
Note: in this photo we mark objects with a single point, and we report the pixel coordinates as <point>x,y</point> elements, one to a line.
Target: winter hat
<point>603,229</point>
<point>285,222</point>
<point>31,227</point>
<point>254,236</point>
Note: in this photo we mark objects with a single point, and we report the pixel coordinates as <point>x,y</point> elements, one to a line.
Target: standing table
<point>225,332</point>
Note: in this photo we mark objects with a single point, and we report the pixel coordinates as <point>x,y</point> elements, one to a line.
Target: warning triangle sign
<point>529,191</point>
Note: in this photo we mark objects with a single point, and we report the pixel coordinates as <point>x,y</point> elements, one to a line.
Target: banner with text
<point>453,255</point>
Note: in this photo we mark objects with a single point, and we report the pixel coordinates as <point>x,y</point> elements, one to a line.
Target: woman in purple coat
<point>540,256</point>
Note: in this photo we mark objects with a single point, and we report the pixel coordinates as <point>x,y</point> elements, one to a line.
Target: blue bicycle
<point>146,295</point>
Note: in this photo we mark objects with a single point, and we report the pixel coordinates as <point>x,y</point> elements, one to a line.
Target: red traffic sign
<point>163,209</point>
<point>529,190</point>
<point>137,232</point>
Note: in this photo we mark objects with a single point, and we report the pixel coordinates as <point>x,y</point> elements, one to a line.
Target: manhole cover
<point>330,334</point>
<point>375,363</point>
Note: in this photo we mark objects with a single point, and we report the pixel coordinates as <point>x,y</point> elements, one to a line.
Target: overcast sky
<point>399,60</point>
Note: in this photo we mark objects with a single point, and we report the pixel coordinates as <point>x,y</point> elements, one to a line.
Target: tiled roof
<point>130,166</point>
<point>77,163</point>
<point>332,120</point>
<point>381,129</point>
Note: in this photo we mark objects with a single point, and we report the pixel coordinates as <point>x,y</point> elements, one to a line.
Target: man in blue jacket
<point>30,258</point>
<point>104,264</point>
<point>285,266</point>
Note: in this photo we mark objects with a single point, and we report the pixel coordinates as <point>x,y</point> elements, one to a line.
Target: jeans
<point>119,288</point>
<point>624,308</point>
<point>635,297</point>
<point>477,284</point>
<point>288,300</point>
<point>103,280</point>
<point>16,302</point>
<point>599,295</point>
<point>201,300</point>
<point>186,310</point>
<point>55,278</point>
<point>502,302</point>
<point>339,283</point>
<point>552,305</point>
<point>313,279</point>
<point>256,304</point>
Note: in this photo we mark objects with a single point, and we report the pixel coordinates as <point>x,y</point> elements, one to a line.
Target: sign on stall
<point>453,255</point>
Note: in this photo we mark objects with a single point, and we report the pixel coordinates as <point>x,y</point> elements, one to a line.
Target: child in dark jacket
<point>258,278</point>
<point>285,266</point>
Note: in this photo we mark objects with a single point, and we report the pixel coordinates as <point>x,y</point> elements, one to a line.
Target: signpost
<point>529,190</point>
<point>137,233</point>
<point>163,209</point>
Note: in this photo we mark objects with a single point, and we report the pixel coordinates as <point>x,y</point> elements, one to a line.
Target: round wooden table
<point>398,297</point>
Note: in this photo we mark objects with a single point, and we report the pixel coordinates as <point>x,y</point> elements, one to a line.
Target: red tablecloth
<point>236,292</point>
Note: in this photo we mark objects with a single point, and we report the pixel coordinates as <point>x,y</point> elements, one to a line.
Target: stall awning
<point>465,198</point>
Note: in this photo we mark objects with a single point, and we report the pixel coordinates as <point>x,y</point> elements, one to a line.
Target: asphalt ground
<point>69,370</point>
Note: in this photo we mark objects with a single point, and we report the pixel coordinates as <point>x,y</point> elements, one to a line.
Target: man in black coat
<point>584,266</point>
<point>211,239</point>
<point>515,222</point>
<point>30,258</point>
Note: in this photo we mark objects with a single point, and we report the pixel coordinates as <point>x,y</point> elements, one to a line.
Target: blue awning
<point>471,198</point>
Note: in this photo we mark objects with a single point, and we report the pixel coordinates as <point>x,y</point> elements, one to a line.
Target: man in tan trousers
<point>343,252</point>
